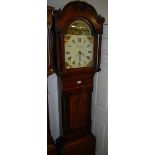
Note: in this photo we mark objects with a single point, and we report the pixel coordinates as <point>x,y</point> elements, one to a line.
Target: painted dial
<point>78,45</point>
<point>78,51</point>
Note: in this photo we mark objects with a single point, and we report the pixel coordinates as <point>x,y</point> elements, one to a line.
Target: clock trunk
<point>75,107</point>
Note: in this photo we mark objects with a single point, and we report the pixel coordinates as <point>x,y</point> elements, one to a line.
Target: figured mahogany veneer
<point>76,81</point>
<point>78,111</point>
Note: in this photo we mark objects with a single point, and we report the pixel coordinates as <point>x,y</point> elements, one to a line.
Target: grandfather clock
<point>76,55</point>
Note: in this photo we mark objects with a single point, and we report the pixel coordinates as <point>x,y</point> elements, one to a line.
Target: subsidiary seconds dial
<point>78,51</point>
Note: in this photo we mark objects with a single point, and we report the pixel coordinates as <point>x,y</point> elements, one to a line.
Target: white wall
<point>100,100</point>
<point>53,106</point>
<point>100,5</point>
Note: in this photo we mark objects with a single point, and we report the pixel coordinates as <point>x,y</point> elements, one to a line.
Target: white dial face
<point>78,51</point>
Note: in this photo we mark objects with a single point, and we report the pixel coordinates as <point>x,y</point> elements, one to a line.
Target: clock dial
<point>78,46</point>
<point>77,53</point>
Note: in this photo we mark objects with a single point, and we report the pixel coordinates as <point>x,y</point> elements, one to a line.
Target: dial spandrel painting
<point>78,42</point>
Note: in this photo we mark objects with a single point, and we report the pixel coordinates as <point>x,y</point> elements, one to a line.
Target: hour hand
<point>79,58</point>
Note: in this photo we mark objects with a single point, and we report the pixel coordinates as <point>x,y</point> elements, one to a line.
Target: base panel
<point>82,146</point>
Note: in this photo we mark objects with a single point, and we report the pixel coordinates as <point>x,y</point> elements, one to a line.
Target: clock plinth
<point>81,146</point>
<point>76,55</point>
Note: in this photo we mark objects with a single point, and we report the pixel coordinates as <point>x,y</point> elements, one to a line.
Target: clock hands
<point>84,55</point>
<point>80,58</point>
<point>78,52</point>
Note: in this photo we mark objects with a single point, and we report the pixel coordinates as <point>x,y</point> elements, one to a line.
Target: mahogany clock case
<point>75,84</point>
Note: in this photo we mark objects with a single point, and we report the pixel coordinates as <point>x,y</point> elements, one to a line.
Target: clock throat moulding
<point>76,55</point>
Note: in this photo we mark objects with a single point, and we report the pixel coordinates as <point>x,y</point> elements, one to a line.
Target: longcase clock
<point>77,32</point>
